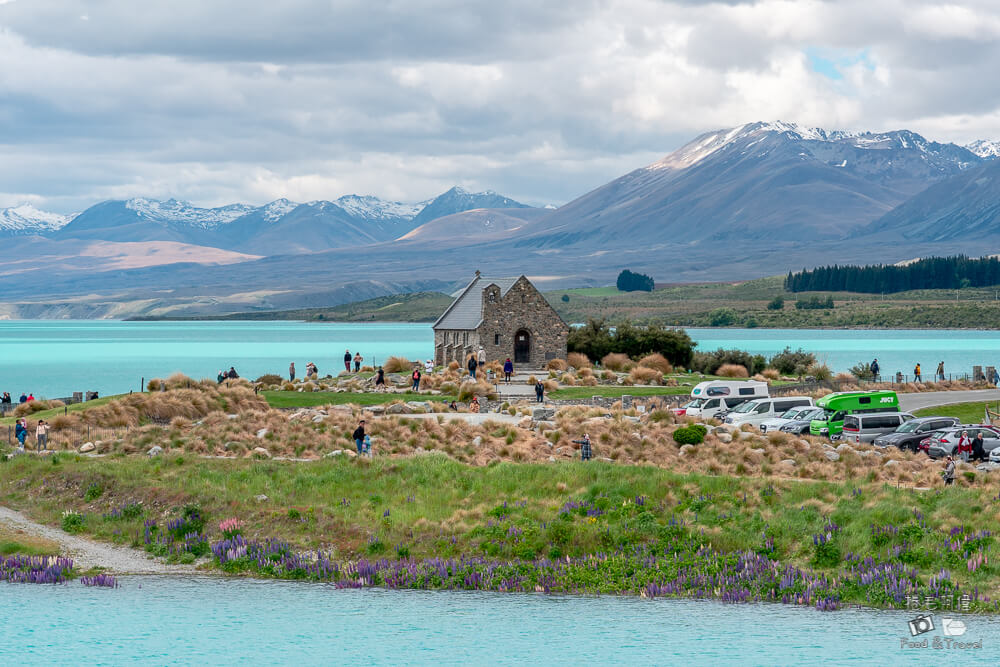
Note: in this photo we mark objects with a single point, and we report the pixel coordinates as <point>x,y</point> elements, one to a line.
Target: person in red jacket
<point>965,446</point>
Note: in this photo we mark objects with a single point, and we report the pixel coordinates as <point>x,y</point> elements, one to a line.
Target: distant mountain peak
<point>985,148</point>
<point>26,219</point>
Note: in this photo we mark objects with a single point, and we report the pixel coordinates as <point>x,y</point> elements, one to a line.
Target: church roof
<point>466,311</point>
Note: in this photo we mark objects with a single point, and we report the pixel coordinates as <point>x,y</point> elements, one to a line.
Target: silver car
<point>866,426</point>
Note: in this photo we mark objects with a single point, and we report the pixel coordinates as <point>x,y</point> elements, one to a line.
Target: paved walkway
<point>475,418</point>
<point>931,399</point>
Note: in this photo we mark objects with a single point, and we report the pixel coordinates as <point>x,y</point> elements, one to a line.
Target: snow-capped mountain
<point>26,219</point>
<point>368,207</point>
<point>985,148</point>
<point>175,211</point>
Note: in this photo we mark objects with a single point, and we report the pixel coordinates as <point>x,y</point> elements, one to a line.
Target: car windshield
<point>815,413</point>
<point>792,414</point>
<point>908,427</point>
<point>749,406</point>
<point>696,403</point>
<point>937,435</point>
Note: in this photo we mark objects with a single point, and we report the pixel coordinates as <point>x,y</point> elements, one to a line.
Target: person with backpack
<point>232,375</point>
<point>380,380</point>
<point>21,433</point>
<point>359,437</point>
<point>473,364</point>
<point>585,450</point>
<point>875,369</point>
<point>508,370</point>
<point>416,379</point>
<point>916,374</point>
<point>482,357</point>
<point>539,391</point>
<point>357,361</point>
<point>939,373</point>
<point>347,360</point>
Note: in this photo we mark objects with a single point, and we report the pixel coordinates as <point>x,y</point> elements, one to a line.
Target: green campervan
<point>837,405</point>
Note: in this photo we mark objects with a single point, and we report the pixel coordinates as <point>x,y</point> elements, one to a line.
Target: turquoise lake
<point>56,358</point>
<point>215,621</point>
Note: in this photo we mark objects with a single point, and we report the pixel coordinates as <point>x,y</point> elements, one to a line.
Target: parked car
<point>761,409</point>
<point>786,417</point>
<point>909,435</point>
<point>865,427</point>
<point>944,442</point>
<point>715,396</point>
<point>802,423</point>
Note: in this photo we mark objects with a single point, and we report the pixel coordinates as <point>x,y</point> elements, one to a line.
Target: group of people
<point>311,371</point>
<point>7,400</point>
<point>231,374</point>
<point>357,359</point>
<point>41,434</point>
<point>918,375</point>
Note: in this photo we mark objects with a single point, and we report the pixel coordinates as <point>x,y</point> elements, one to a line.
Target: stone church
<point>508,317</point>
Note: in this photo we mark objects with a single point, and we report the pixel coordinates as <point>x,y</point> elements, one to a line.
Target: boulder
<point>552,459</point>
<point>685,449</point>
<point>759,450</point>
<point>262,433</point>
<point>420,405</point>
<point>832,455</point>
<point>260,498</point>
<point>318,418</point>
<point>524,423</point>
<point>155,450</point>
<point>629,418</point>
<point>543,414</point>
<point>724,437</point>
<point>545,426</point>
<point>232,416</point>
<point>891,463</point>
<point>399,409</point>
<point>261,452</point>
<point>788,462</point>
<point>87,447</point>
<point>232,445</point>
<point>722,429</point>
<point>844,447</point>
<point>336,452</point>
<point>746,435</point>
<point>477,441</point>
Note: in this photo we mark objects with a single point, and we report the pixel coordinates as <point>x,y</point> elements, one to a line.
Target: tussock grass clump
<point>269,378</point>
<point>453,365</point>
<point>478,388</point>
<point>31,407</point>
<point>557,365</point>
<point>658,362</point>
<point>578,360</point>
<point>732,371</point>
<point>641,375</point>
<point>771,374</point>
<point>616,361</point>
<point>397,365</point>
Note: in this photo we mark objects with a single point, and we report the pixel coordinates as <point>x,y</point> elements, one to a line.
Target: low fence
<point>88,434</point>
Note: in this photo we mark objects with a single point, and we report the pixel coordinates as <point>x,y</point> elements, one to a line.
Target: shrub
<point>815,303</point>
<point>777,303</point>
<point>862,371</point>
<point>657,361</point>
<point>596,339</point>
<point>732,371</point>
<point>154,384</point>
<point>31,407</point>
<point>270,378</point>
<point>723,317</point>
<point>93,492</point>
<point>453,365</point>
<point>72,522</point>
<point>710,362</point>
<point>397,365</point>
<point>640,375</point>
<point>792,363</point>
<point>557,365</point>
<point>770,374</point>
<point>819,371</point>
<point>690,435</point>
<point>616,361</point>
<point>578,360</point>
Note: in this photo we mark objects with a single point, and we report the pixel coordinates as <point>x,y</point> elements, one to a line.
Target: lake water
<point>200,620</point>
<point>56,358</point>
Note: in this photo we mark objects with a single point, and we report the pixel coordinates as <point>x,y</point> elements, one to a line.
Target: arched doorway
<point>522,347</point>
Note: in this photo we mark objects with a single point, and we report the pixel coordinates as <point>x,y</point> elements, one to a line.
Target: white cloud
<point>311,99</point>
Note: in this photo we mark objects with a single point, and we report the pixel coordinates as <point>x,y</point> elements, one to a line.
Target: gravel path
<point>87,553</point>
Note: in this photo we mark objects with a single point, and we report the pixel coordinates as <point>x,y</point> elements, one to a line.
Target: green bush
<point>788,362</point>
<point>93,492</point>
<point>72,522</point>
<point>709,362</point>
<point>596,340</point>
<point>690,435</point>
<point>862,371</point>
<point>723,317</point>
<point>777,303</point>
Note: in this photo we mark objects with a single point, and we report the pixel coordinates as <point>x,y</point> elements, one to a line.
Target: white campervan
<point>710,398</point>
<point>760,410</point>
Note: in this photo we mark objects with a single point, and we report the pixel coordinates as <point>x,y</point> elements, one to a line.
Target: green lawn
<point>295,399</point>
<point>75,407</point>
<point>969,413</point>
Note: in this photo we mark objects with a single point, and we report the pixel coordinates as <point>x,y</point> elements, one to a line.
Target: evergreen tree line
<point>634,282</point>
<point>930,273</point>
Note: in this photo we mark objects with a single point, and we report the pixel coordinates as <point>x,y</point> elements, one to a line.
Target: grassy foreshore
<point>428,521</point>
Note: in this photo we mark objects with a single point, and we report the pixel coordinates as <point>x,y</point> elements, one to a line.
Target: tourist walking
<point>482,357</point>
<point>585,451</point>
<point>416,379</point>
<point>368,446</point>
<point>964,448</point>
<point>347,360</point>
<point>539,391</point>
<point>21,433</point>
<point>380,380</point>
<point>916,374</point>
<point>291,372</point>
<point>939,373</point>
<point>6,398</point>
<point>357,361</point>
<point>978,451</point>
<point>508,370</point>
<point>473,364</point>
<point>428,366</point>
<point>949,471</point>
<point>875,369</point>
<point>42,435</point>
<point>359,437</point>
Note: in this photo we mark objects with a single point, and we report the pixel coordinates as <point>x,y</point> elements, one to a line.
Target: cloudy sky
<point>241,100</point>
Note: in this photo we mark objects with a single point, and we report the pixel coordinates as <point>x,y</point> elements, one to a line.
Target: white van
<point>763,409</point>
<point>715,396</point>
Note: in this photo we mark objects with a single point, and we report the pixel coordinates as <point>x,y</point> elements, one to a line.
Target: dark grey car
<point>801,424</point>
<point>909,435</point>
